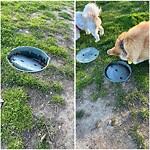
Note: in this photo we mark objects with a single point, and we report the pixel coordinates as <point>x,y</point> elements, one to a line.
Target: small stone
<point>43,137</point>
<point>59,127</point>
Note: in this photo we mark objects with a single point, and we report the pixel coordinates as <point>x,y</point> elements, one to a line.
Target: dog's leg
<point>96,35</point>
<point>77,34</point>
<point>87,31</point>
<point>101,29</point>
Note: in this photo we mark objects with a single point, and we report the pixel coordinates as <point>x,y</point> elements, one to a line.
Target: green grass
<point>79,114</point>
<point>16,117</point>
<point>132,99</point>
<point>65,15</point>
<point>113,121</point>
<point>144,114</point>
<point>44,21</point>
<point>137,137</point>
<point>57,99</point>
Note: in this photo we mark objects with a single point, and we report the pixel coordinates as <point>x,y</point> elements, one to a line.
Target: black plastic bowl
<point>118,71</point>
<point>28,59</point>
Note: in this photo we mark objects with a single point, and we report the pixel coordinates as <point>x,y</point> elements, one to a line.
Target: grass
<point>137,137</point>
<point>131,100</point>
<point>32,23</point>
<point>16,117</point>
<point>113,121</point>
<point>65,15</point>
<point>79,114</point>
<point>140,115</point>
<point>57,99</point>
<point>115,20</point>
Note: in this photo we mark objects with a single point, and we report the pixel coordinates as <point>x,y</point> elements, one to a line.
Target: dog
<point>133,46</point>
<point>89,21</point>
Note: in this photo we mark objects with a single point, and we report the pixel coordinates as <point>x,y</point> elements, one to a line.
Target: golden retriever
<point>133,45</point>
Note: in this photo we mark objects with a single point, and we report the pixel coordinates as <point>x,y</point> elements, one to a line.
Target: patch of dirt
<point>57,63</point>
<point>24,31</point>
<point>102,127</point>
<point>60,118</point>
<point>34,15</point>
<point>66,44</point>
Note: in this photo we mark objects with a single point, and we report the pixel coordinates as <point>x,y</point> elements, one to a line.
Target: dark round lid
<point>118,71</point>
<point>28,59</point>
<point>87,55</point>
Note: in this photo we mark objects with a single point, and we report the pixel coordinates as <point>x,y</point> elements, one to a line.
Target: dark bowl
<point>28,59</point>
<point>118,71</point>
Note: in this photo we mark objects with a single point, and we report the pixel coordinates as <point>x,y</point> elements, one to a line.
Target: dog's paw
<point>101,31</point>
<point>87,31</point>
<point>77,37</point>
<point>97,40</point>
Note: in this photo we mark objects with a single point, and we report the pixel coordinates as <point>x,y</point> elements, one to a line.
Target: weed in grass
<point>39,123</point>
<point>79,114</point>
<point>114,121</point>
<point>49,14</point>
<point>121,101</point>
<point>136,96</point>
<point>137,137</point>
<point>44,144</point>
<point>72,48</point>
<point>58,51</point>
<point>97,125</point>
<point>144,114</point>
<point>103,92</point>
<point>140,115</point>
<point>15,142</point>
<point>66,38</point>
<point>82,83</point>
<point>16,117</point>
<point>55,86</point>
<point>134,113</point>
<point>95,97</point>
<point>68,71</point>
<point>57,99</point>
<point>65,16</point>
<point>131,99</point>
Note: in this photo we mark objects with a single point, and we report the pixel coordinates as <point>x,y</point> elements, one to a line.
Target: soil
<point>97,128</point>
<point>60,119</point>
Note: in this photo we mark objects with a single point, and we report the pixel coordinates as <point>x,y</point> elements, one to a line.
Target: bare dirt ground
<point>95,130</point>
<point>60,118</point>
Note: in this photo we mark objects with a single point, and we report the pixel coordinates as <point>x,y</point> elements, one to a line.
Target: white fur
<point>89,21</point>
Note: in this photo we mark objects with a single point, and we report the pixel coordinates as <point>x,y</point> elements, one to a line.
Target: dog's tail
<point>91,10</point>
